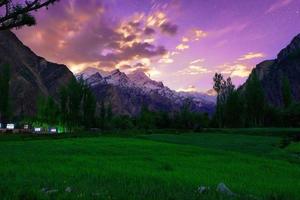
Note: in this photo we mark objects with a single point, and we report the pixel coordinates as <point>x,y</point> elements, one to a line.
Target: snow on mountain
<point>93,79</point>
<point>198,97</point>
<point>86,73</point>
<point>139,81</point>
<point>142,80</point>
<point>116,77</point>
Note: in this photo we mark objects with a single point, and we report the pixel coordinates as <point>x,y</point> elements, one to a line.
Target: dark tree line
<point>76,107</point>
<point>182,119</point>
<point>248,107</point>
<point>5,103</point>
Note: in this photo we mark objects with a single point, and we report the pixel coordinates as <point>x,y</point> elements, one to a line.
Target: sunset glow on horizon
<point>182,43</point>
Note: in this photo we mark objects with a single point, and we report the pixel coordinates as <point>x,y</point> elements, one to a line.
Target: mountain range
<point>127,93</point>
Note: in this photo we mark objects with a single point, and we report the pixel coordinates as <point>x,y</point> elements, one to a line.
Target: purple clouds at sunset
<point>182,43</point>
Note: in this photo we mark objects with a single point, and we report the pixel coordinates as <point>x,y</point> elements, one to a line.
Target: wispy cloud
<point>166,59</point>
<point>194,35</point>
<point>190,88</point>
<point>235,27</point>
<point>197,61</point>
<point>185,39</point>
<point>278,5</point>
<point>194,70</point>
<point>236,70</point>
<point>182,47</point>
<point>251,55</point>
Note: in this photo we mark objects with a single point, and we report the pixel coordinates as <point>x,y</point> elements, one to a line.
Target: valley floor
<point>154,166</point>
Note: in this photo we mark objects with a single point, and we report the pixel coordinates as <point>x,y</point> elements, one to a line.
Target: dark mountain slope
<point>31,75</point>
<point>272,72</point>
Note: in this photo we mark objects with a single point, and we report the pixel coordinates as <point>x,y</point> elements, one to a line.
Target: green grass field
<point>156,166</point>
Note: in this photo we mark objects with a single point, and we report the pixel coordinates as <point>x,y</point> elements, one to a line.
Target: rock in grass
<point>51,191</point>
<point>222,188</point>
<point>48,191</point>
<point>203,189</point>
<point>68,189</point>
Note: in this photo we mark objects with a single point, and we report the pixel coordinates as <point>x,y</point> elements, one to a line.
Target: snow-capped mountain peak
<point>117,77</point>
<point>139,83</point>
<point>140,78</point>
<point>94,79</point>
<point>91,71</point>
<point>138,75</point>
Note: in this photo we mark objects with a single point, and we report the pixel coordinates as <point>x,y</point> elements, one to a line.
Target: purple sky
<point>180,42</point>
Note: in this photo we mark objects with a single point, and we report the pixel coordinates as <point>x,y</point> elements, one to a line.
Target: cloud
<point>199,34</point>
<point>236,70</point>
<point>194,35</point>
<point>194,70</point>
<point>137,50</point>
<point>251,55</point>
<point>182,47</point>
<point>169,28</point>
<point>156,19</point>
<point>77,33</point>
<point>235,27</point>
<point>150,71</point>
<point>149,31</point>
<point>167,58</point>
<point>149,40</point>
<point>185,39</point>
<point>278,5</point>
<point>221,43</point>
<point>190,88</point>
<point>197,61</point>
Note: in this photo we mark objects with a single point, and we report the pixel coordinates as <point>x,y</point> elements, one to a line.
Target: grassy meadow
<point>151,166</point>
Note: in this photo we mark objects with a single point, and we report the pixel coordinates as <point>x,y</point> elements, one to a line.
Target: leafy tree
<point>146,119</point>
<point>102,115</point>
<point>41,109</point>
<point>77,105</point>
<point>64,111</point>
<point>224,89</point>
<point>163,120</point>
<point>185,115</point>
<point>47,111</point>
<point>122,122</point>
<point>4,93</point>
<point>89,107</point>
<point>52,112</point>
<point>274,117</point>
<point>74,102</point>
<point>286,92</point>
<point>255,102</point>
<point>218,85</point>
<point>291,115</point>
<point>109,113</point>
<point>233,110</point>
<point>16,14</point>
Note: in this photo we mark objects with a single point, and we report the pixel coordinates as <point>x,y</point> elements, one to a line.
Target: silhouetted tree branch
<point>18,14</point>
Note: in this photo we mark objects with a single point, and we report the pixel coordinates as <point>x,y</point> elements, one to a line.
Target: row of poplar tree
<point>247,106</point>
<point>76,111</point>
